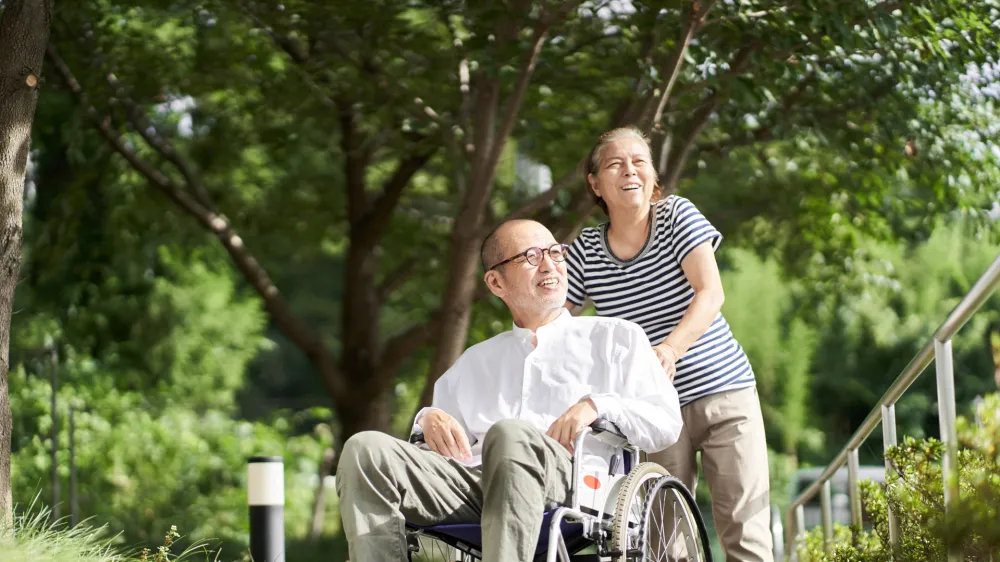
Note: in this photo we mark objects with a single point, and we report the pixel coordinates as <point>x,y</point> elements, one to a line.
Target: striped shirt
<point>651,290</point>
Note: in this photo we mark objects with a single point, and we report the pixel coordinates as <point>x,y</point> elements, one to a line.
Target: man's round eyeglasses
<point>534,255</point>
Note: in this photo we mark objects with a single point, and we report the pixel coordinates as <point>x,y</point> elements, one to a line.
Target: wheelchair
<point>636,514</point>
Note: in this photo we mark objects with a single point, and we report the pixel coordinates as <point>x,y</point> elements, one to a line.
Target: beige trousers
<point>728,430</point>
<point>383,483</point>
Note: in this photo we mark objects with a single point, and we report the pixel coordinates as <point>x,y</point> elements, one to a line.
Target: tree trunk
<point>361,413</point>
<point>457,308</point>
<point>24,32</point>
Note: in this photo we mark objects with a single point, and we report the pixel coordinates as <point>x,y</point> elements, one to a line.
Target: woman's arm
<point>702,273</point>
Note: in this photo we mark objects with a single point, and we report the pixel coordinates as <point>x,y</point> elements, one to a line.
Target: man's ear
<point>494,281</point>
<point>592,180</point>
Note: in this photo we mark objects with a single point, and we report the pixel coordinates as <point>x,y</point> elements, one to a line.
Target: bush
<point>915,491</point>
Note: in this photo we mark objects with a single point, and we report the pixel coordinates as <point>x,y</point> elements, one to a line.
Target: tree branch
<point>245,262</point>
<point>400,347</point>
<point>696,17</point>
<point>512,106</point>
<point>625,112</point>
<point>355,162</point>
<point>377,217</point>
<point>395,278</point>
<point>286,43</point>
<point>544,199</point>
<point>698,123</point>
<point>148,131</point>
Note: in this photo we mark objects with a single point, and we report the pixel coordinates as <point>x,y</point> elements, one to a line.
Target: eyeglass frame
<point>541,254</point>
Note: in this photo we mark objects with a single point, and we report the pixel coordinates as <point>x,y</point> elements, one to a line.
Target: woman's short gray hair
<point>593,161</point>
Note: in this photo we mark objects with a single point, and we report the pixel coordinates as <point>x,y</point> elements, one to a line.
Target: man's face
<point>526,288</point>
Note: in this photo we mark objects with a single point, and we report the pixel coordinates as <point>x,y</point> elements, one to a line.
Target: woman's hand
<point>668,357</point>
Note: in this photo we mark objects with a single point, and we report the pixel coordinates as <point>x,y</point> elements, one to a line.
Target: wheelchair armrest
<point>604,426</point>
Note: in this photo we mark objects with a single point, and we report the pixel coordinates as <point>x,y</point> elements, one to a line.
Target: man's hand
<point>668,358</point>
<point>445,435</point>
<point>565,429</point>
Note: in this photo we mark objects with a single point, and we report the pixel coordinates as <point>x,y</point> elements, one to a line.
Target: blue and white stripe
<point>651,290</point>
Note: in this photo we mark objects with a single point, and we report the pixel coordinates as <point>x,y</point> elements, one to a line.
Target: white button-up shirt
<point>608,360</point>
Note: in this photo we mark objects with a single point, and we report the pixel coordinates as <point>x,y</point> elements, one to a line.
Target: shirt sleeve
<point>645,407</point>
<point>690,229</point>
<point>445,399</point>
<point>577,292</point>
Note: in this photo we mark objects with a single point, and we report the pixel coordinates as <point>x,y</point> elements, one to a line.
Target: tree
<point>24,32</point>
<point>395,121</point>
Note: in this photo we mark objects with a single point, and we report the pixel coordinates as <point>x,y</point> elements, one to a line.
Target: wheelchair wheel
<point>424,548</point>
<point>657,520</point>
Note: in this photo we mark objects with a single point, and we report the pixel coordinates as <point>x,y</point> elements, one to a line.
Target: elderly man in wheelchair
<point>530,450</point>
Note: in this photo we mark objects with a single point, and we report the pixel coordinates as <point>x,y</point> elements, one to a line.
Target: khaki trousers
<point>728,429</point>
<point>384,482</point>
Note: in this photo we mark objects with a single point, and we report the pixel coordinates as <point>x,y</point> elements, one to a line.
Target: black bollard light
<point>266,497</point>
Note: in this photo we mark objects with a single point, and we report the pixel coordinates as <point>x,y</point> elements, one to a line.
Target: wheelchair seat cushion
<point>472,533</point>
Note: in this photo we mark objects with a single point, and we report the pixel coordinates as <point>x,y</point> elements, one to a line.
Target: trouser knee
<point>362,453</point>
<point>503,434</point>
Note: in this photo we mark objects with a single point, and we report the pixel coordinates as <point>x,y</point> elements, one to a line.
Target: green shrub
<point>915,492</point>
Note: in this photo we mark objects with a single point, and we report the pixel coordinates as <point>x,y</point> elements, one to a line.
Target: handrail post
<point>889,440</point>
<point>827,512</point>
<point>790,535</point>
<point>946,416</point>
<point>854,488</point>
<point>800,526</point>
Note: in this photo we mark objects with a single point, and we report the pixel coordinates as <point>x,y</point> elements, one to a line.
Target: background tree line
<point>253,227</point>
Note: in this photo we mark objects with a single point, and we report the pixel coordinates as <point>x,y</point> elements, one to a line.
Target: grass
<point>36,538</point>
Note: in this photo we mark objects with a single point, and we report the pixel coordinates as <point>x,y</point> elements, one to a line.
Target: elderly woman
<point>654,263</point>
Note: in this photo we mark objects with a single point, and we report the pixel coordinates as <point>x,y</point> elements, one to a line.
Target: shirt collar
<point>527,335</point>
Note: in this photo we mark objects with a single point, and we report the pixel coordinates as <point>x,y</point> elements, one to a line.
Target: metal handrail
<point>938,349</point>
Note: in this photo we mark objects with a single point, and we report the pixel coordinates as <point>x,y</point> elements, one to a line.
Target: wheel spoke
<point>654,520</point>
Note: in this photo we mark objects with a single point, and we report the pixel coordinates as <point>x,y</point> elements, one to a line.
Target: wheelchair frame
<point>596,529</point>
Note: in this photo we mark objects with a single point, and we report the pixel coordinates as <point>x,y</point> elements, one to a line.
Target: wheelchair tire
<point>629,532</point>
<point>691,515</point>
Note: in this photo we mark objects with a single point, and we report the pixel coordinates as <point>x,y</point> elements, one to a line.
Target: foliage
<point>36,538</point>
<point>151,361</point>
<point>877,316</point>
<point>792,127</point>
<point>915,493</point>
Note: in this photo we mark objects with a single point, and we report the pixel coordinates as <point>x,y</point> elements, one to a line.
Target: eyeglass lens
<point>534,255</point>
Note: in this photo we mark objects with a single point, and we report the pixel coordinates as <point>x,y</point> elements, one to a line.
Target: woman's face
<point>625,177</point>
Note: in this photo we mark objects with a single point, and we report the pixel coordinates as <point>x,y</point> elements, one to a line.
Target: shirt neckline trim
<point>606,246</point>
<point>526,334</point>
